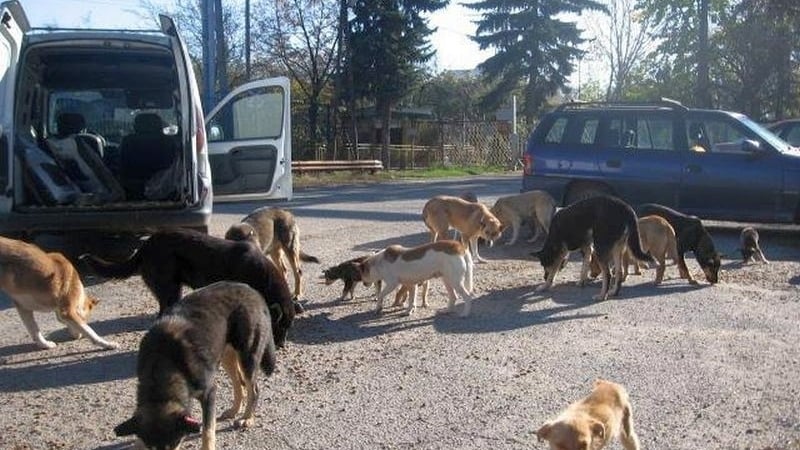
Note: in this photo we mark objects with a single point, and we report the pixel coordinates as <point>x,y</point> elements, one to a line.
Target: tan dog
<point>658,239</point>
<point>407,267</point>
<point>43,282</point>
<point>472,220</point>
<point>534,207</point>
<point>592,422</point>
<point>276,233</point>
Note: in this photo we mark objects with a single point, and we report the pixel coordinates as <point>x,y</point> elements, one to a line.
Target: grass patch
<point>355,177</point>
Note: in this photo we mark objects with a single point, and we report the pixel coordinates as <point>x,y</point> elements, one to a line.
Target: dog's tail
<point>107,269</point>
<point>305,257</point>
<point>468,261</point>
<point>634,244</point>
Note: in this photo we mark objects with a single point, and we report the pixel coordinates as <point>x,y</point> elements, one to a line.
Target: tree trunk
<point>703,93</point>
<point>386,120</point>
<point>222,51</point>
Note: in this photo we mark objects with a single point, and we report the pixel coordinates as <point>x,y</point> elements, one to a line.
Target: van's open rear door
<point>250,140</point>
<point>13,25</point>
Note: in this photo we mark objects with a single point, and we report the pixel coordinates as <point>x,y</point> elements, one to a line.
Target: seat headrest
<point>148,123</point>
<point>70,123</point>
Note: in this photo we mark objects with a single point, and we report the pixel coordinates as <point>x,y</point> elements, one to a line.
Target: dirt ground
<point>707,367</point>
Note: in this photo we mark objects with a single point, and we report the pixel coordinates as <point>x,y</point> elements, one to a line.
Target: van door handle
<point>693,168</point>
<point>614,163</point>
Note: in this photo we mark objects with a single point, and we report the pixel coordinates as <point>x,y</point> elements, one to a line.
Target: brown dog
<point>472,220</point>
<point>534,207</point>
<point>658,239</point>
<point>276,233</point>
<point>748,245</point>
<point>591,423</point>
<point>39,281</point>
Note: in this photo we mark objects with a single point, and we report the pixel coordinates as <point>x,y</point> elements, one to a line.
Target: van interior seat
<point>70,124</point>
<point>144,153</point>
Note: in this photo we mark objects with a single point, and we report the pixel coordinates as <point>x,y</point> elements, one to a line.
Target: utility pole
<point>247,40</point>
<point>208,15</point>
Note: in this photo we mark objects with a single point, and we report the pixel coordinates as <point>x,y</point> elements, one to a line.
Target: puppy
<point>658,239</point>
<point>603,225</point>
<point>592,422</point>
<point>690,235</point>
<point>748,245</point>
<point>397,265</point>
<point>534,207</point>
<point>348,273</point>
<point>472,220</point>
<point>169,259</point>
<point>42,282</point>
<point>223,323</point>
<point>277,234</point>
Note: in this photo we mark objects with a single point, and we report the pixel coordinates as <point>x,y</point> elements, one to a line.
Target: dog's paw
<point>244,423</point>
<point>600,297</point>
<point>44,344</point>
<point>110,345</point>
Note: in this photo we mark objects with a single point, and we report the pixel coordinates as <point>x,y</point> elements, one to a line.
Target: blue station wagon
<point>715,164</point>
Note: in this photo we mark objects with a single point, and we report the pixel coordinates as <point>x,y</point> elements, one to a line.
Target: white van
<point>103,130</point>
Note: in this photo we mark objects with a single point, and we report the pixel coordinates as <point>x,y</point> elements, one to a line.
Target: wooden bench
<point>371,165</point>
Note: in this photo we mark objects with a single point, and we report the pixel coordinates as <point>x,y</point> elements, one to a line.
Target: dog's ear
<point>188,424</point>
<point>544,431</point>
<point>127,428</point>
<point>598,430</point>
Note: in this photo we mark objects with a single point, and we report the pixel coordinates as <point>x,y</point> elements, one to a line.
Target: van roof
<point>44,35</point>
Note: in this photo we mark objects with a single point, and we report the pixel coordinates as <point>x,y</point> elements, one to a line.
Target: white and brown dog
<point>472,220</point>
<point>592,422</point>
<point>400,266</point>
<point>44,282</point>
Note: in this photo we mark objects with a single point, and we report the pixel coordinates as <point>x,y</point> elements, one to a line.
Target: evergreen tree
<point>388,45</point>
<point>535,45</point>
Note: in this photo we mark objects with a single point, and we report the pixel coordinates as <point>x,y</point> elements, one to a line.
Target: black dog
<point>347,272</point>
<point>223,323</point>
<point>748,245</point>
<point>169,259</point>
<point>691,235</point>
<point>604,224</point>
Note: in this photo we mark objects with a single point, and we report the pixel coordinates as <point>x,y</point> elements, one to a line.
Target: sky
<point>454,24</point>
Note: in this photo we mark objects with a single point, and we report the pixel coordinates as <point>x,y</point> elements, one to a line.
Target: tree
<point>388,45</point>
<point>451,96</point>
<point>623,42</point>
<point>303,36</point>
<point>535,46</point>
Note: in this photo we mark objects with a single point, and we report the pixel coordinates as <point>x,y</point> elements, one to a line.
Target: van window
<point>556,132</point>
<point>253,114</point>
<point>647,133</point>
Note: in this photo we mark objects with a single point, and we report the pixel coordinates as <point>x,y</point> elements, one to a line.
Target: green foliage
<point>535,46</point>
<point>451,95</point>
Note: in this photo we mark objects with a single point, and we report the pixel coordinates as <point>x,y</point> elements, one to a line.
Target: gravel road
<point>707,367</point>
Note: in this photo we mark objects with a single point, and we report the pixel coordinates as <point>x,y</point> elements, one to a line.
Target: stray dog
<point>472,220</point>
<point>276,233</point>
<point>348,273</point>
<point>658,239</point>
<point>592,422</point>
<point>749,247</point>
<point>42,282</point>
<point>223,323</point>
<point>691,235</point>
<point>169,259</point>
<point>602,224</point>
<point>400,266</point>
<point>535,207</point>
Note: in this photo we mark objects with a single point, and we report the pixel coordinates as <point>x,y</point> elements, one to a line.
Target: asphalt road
<point>707,367</point>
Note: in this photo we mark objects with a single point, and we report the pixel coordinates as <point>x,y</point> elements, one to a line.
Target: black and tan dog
<point>691,235</point>
<point>748,245</point>
<point>602,224</point>
<point>224,323</point>
<point>172,258</point>
<point>347,272</point>
<point>276,233</point>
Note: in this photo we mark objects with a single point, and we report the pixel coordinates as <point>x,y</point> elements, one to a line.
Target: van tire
<point>582,192</point>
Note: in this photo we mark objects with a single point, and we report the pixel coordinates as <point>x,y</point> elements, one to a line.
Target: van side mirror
<point>751,146</point>
<point>215,133</point>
